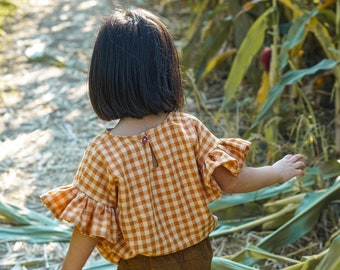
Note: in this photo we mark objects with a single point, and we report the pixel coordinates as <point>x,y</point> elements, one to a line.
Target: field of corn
<point>266,71</point>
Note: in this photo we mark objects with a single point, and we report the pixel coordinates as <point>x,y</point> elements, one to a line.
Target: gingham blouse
<point>148,194</point>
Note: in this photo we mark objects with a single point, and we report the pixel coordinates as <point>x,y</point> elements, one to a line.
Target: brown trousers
<point>196,257</point>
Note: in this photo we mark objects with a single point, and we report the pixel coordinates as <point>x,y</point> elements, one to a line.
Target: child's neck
<point>129,126</point>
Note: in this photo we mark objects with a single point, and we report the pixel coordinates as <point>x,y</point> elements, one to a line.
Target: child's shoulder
<point>183,116</point>
<point>100,140</point>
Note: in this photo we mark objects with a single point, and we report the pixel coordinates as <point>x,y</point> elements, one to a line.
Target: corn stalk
<point>337,85</point>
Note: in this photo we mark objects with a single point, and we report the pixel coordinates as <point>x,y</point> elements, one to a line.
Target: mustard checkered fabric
<point>148,194</point>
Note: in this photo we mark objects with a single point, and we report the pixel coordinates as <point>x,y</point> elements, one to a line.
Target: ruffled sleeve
<point>231,153</point>
<point>90,201</point>
<point>212,152</point>
<point>92,218</point>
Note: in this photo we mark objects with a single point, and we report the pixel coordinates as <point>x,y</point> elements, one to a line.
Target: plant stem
<point>337,84</point>
<point>274,48</point>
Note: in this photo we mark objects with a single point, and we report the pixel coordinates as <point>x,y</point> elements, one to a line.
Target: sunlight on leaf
<point>332,259</point>
<point>216,60</point>
<point>248,49</point>
<point>225,264</point>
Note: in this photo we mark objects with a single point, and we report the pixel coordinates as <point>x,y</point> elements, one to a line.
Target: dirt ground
<point>45,117</point>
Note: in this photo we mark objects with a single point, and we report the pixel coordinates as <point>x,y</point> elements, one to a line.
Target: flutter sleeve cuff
<point>92,218</point>
<point>230,153</point>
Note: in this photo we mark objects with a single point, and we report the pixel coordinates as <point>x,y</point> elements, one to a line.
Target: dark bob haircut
<point>134,68</point>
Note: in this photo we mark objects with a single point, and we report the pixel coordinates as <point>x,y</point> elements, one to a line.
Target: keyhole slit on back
<point>145,140</point>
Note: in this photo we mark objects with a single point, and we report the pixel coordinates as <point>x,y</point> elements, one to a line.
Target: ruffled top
<point>148,194</point>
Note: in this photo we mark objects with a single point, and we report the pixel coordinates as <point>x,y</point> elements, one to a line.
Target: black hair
<point>134,68</point>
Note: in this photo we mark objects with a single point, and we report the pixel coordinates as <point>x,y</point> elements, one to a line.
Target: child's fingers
<point>299,165</point>
<point>296,158</point>
<point>288,156</point>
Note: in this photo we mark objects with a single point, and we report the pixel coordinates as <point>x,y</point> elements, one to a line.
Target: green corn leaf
<point>324,38</point>
<point>304,220</point>
<point>215,61</point>
<point>248,49</point>
<point>225,264</point>
<point>258,253</point>
<point>290,78</point>
<point>330,169</point>
<point>227,229</point>
<point>101,265</point>
<point>16,215</point>
<point>199,16</point>
<point>36,233</point>
<point>310,262</point>
<point>30,226</point>
<point>240,212</point>
<point>213,42</point>
<point>13,215</point>
<point>295,35</point>
<point>332,259</point>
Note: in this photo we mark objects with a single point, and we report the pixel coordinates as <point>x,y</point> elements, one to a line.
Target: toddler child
<point>141,191</point>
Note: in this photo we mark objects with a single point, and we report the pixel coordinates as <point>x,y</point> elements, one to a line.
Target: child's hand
<point>289,166</point>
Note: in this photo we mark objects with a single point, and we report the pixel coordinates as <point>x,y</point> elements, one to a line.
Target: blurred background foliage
<point>269,71</point>
<point>274,64</point>
<point>6,9</point>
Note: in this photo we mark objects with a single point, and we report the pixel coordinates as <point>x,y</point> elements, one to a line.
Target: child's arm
<point>251,179</point>
<point>79,250</point>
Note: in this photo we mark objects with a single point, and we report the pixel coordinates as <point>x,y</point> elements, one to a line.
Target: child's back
<point>142,188</point>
